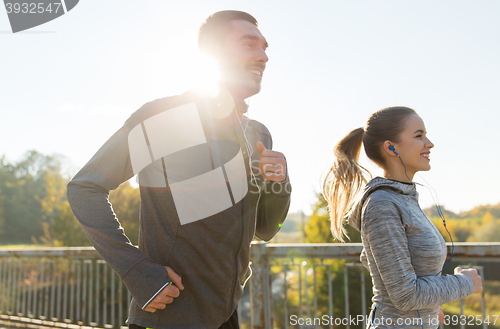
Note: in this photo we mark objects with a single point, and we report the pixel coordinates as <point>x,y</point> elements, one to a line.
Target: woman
<point>403,250</point>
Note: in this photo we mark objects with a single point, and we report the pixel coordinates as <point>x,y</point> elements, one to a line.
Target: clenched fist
<point>472,274</point>
<point>272,164</point>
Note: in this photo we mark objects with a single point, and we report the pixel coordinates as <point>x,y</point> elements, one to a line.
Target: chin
<point>248,89</point>
<point>242,88</point>
<point>253,91</point>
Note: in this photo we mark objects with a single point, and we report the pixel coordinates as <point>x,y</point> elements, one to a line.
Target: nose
<point>429,144</point>
<point>262,56</point>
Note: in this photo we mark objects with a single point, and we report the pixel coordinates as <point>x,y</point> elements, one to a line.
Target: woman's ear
<point>389,148</point>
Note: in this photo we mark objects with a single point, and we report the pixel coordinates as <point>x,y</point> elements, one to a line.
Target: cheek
<point>231,57</point>
<point>236,63</point>
<point>412,149</point>
<point>243,56</point>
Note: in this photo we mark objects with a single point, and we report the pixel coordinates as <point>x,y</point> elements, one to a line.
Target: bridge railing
<point>297,267</point>
<point>74,287</point>
<point>61,287</point>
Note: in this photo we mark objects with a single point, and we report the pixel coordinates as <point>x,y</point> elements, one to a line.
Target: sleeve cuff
<point>156,294</point>
<point>467,281</point>
<point>144,280</point>
<point>284,187</point>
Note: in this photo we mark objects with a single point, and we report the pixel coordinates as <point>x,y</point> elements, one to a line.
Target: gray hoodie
<point>200,207</point>
<point>404,252</point>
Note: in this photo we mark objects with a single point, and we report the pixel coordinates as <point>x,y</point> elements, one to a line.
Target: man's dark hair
<point>212,32</point>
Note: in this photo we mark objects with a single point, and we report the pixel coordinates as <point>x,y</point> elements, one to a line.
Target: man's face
<point>243,59</point>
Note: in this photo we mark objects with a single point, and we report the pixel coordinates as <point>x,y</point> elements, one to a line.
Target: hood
<point>375,184</point>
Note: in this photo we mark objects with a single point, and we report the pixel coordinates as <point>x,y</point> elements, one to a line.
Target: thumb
<point>458,269</point>
<point>260,147</point>
<point>176,279</point>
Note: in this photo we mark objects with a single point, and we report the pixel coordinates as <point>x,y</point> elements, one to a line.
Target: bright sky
<point>68,85</point>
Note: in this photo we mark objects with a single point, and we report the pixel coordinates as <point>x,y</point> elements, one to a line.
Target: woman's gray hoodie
<point>404,252</point>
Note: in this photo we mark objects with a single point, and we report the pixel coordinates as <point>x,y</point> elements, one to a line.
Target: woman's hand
<point>472,274</point>
<point>441,315</point>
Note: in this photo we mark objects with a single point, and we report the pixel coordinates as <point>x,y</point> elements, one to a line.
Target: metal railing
<point>308,257</point>
<point>60,287</point>
<point>67,287</point>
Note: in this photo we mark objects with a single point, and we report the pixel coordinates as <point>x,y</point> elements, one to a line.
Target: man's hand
<point>167,295</point>
<point>272,164</point>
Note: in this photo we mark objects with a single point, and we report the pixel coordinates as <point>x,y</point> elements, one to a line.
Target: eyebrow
<point>253,37</point>
<point>419,131</point>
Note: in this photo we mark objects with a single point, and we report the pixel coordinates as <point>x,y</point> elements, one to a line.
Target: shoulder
<point>157,106</point>
<point>260,128</point>
<point>263,133</point>
<point>384,195</point>
<point>383,204</point>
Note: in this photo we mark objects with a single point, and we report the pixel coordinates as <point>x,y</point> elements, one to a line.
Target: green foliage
<point>470,229</point>
<point>64,229</point>
<point>125,200</point>
<point>25,196</point>
<point>34,208</point>
<point>481,211</point>
<point>318,227</point>
<point>489,231</point>
<point>433,212</point>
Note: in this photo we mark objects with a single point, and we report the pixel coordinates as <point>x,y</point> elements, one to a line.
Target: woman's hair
<point>346,177</point>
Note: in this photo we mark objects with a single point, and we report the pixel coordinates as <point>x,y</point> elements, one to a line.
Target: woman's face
<point>414,146</point>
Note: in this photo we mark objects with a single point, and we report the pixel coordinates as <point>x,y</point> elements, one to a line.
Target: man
<point>202,200</point>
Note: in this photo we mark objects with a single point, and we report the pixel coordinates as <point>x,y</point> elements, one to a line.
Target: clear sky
<point>68,85</point>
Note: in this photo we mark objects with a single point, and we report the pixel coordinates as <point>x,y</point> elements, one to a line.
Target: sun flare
<point>208,76</point>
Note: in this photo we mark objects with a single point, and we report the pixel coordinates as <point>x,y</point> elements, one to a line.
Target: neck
<point>241,108</point>
<point>239,102</point>
<point>398,173</point>
<point>240,105</point>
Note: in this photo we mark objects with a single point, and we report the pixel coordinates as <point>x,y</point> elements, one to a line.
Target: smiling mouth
<point>426,156</point>
<point>257,73</point>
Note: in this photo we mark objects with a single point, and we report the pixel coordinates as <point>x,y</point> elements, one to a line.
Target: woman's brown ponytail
<point>344,180</point>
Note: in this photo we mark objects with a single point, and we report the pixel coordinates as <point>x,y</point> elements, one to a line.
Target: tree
<point>489,231</point>
<point>480,211</point>
<point>33,204</point>
<point>125,200</point>
<point>318,227</point>
<point>22,187</point>
<point>64,229</point>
